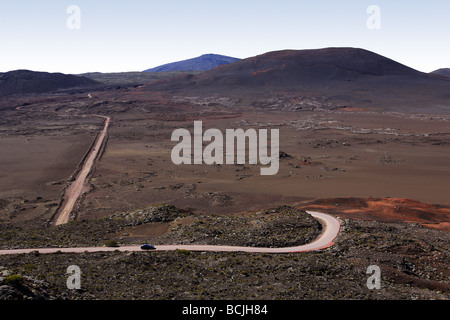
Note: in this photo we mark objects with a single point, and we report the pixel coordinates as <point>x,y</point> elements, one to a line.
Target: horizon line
<point>204,54</point>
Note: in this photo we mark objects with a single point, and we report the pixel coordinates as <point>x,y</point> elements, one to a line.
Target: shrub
<point>14,280</point>
<point>183,251</point>
<point>29,267</point>
<point>111,243</point>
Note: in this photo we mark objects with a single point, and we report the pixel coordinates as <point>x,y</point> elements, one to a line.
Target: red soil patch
<point>386,210</point>
<point>255,73</point>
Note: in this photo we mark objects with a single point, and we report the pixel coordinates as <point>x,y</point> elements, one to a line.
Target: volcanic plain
<point>324,154</point>
<point>378,169</point>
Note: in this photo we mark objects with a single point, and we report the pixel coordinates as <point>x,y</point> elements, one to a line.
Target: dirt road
<point>74,191</point>
<point>325,240</point>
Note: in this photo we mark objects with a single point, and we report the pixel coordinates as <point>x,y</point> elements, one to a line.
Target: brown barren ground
<point>330,153</point>
<point>354,163</point>
<point>386,210</point>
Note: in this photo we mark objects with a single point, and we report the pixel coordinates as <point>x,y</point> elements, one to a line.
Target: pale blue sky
<point>134,35</point>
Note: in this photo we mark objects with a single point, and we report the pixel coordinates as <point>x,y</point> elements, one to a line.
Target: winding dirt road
<point>330,224</point>
<point>74,191</point>
<point>325,240</point>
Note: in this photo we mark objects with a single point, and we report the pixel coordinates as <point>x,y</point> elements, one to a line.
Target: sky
<point>134,35</point>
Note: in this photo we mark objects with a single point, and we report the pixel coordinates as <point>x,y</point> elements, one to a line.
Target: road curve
<point>74,191</point>
<point>331,228</point>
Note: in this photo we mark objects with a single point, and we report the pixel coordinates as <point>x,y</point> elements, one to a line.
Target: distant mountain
<point>347,76</point>
<point>442,72</point>
<point>296,67</point>
<point>202,63</point>
<point>31,82</point>
<point>304,68</point>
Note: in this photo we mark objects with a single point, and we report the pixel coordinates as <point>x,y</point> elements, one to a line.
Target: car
<point>147,247</point>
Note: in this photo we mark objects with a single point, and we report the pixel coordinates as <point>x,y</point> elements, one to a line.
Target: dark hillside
<point>345,76</point>
<point>31,82</point>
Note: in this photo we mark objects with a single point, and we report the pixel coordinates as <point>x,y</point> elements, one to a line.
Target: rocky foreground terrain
<point>413,259</point>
